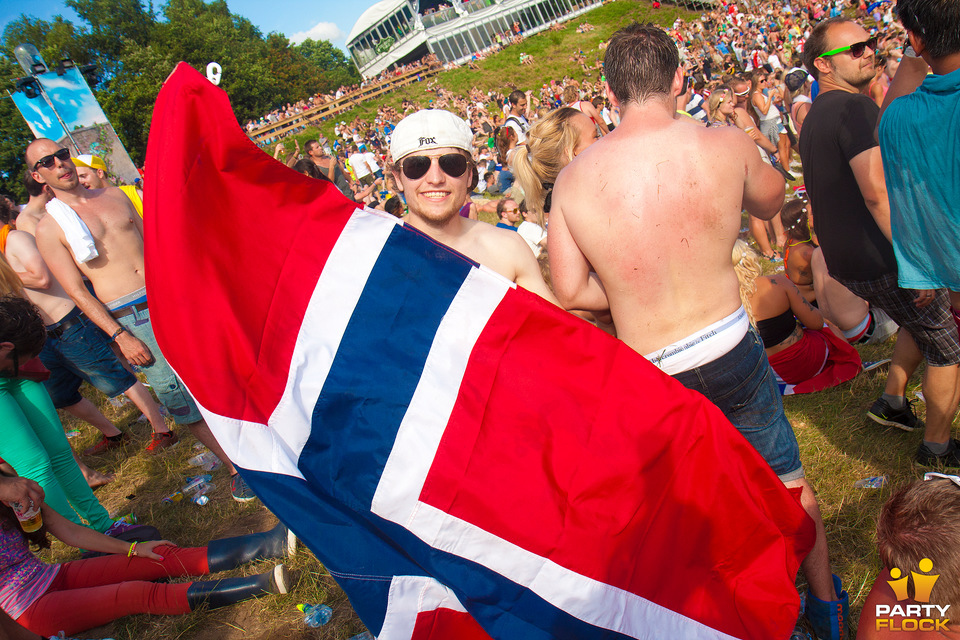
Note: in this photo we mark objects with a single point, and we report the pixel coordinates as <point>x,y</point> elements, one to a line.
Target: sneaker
<point>106,444</point>
<point>927,458</point>
<point>829,619</point>
<point>161,441</point>
<point>870,365</point>
<point>119,527</point>
<point>903,418</point>
<point>240,490</point>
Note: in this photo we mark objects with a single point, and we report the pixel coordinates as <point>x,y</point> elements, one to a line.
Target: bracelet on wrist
<point>116,333</point>
<point>132,551</point>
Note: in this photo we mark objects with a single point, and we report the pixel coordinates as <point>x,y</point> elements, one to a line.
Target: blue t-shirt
<point>921,164</point>
<point>504,225</point>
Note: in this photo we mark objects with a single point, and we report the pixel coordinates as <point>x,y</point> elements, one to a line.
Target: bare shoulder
<point>734,139</point>
<point>499,249</point>
<point>48,228</point>
<point>18,240</point>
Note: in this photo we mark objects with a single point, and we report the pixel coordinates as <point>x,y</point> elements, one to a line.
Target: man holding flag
<point>467,460</point>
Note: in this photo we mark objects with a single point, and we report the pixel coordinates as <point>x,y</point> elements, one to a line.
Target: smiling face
<point>62,174</point>
<point>435,197</point>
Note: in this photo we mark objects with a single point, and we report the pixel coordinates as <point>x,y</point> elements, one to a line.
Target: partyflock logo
<point>913,617</point>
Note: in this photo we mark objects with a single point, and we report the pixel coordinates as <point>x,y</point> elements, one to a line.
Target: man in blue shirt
<point>918,136</point>
<point>509,213</point>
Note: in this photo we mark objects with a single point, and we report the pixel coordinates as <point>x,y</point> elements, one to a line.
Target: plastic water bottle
<point>195,482</point>
<point>799,630</point>
<point>873,482</point>
<point>315,615</point>
<point>366,635</point>
<point>200,492</point>
<point>206,461</point>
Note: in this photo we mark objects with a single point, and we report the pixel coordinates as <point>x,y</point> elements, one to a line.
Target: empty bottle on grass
<point>315,615</point>
<point>206,461</point>
<point>366,635</point>
<point>874,482</point>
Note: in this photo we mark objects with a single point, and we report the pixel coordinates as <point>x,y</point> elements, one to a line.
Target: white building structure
<point>395,32</point>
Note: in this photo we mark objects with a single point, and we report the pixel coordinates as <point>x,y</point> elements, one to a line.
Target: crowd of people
<point>648,246</point>
<point>289,110</point>
<point>805,85</point>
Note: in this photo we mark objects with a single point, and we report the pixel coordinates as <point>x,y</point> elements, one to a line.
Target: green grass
<point>502,71</point>
<point>142,481</point>
<point>838,444</point>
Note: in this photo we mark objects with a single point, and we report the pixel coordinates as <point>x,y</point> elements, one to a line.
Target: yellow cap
<point>89,161</point>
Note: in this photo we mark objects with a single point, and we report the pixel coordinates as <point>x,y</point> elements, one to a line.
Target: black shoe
<point>903,418</point>
<point>227,553</point>
<point>927,458</point>
<point>220,593</point>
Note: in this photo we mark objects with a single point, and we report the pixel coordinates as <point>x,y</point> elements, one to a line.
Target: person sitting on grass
<point>33,441</point>
<point>802,350</point>
<point>798,248</point>
<point>83,594</point>
<point>857,320</point>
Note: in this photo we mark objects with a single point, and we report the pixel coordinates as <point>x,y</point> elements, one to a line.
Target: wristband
<point>132,551</point>
<point>116,333</point>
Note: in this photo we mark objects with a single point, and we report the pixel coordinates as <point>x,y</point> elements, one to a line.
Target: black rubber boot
<point>220,593</point>
<point>229,553</point>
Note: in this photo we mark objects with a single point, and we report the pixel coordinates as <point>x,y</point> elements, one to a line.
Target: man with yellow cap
<point>92,172</point>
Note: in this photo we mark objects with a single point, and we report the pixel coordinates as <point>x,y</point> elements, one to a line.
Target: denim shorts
<point>741,383</point>
<point>171,392</point>
<point>82,353</point>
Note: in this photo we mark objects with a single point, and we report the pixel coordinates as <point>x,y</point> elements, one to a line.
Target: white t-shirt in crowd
<point>533,234</point>
<point>359,165</point>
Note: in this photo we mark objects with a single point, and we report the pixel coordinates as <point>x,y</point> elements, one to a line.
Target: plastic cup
<point>29,516</point>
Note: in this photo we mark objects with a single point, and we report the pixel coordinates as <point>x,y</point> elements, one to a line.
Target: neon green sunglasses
<point>856,49</point>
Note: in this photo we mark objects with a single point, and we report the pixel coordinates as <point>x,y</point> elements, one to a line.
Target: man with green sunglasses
<point>843,172</point>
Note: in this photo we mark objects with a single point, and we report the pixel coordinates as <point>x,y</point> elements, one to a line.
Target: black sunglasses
<point>47,161</point>
<point>452,164</point>
<point>16,365</point>
<point>856,49</point>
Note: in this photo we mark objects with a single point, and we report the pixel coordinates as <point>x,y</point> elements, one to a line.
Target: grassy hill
<point>838,445</point>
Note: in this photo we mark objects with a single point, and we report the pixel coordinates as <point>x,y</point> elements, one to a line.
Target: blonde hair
<point>10,283</point>
<point>746,264</point>
<point>713,103</point>
<point>550,145</point>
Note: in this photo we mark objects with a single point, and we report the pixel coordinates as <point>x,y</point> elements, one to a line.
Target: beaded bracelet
<point>132,550</point>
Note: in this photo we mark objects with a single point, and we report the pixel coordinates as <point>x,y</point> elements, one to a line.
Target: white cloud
<point>320,31</point>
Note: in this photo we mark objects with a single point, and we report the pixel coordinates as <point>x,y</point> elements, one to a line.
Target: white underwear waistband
<point>702,347</point>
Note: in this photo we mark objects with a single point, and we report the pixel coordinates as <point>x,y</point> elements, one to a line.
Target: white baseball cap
<point>429,129</point>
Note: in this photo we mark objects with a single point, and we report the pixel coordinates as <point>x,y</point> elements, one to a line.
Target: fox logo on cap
<point>424,141</point>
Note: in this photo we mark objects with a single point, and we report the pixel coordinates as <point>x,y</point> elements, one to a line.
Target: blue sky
<point>297,19</point>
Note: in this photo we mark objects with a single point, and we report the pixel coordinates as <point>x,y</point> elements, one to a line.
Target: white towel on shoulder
<point>74,229</point>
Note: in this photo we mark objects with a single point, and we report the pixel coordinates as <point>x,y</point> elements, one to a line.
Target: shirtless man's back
<point>658,230</point>
<point>654,209</point>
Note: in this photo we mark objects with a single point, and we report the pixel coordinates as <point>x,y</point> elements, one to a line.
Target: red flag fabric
<point>458,452</point>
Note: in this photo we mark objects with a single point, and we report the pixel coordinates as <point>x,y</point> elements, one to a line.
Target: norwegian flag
<point>467,460</point>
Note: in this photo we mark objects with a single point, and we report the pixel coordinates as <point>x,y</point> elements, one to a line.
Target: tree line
<point>135,47</point>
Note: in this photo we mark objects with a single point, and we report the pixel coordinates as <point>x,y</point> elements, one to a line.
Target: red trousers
<point>89,593</point>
